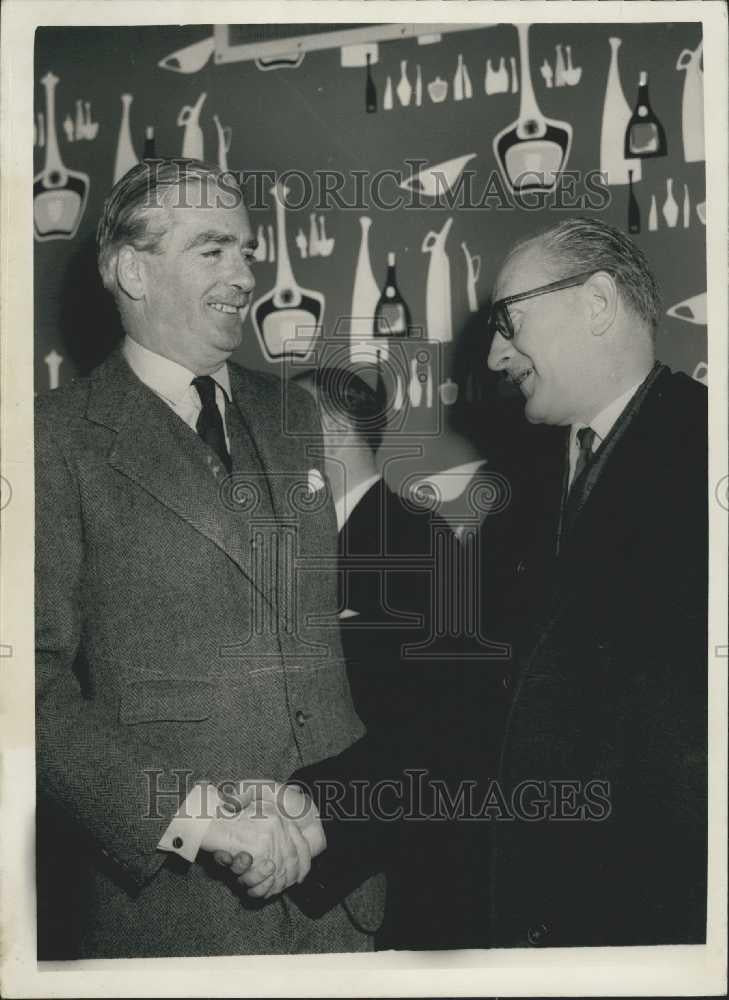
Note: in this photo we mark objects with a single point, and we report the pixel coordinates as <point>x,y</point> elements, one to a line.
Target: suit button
<point>521,568</point>
<point>177,843</point>
<point>537,935</point>
<point>506,682</point>
<point>301,717</point>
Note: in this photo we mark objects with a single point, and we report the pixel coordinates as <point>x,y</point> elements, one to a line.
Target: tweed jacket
<point>175,642</point>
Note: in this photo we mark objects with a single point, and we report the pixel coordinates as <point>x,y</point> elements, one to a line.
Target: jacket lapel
<point>301,536</point>
<point>285,458</point>
<point>580,493</point>
<point>602,523</point>
<point>156,449</point>
<point>614,482</point>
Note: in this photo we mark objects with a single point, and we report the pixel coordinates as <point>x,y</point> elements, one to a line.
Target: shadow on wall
<point>90,323</point>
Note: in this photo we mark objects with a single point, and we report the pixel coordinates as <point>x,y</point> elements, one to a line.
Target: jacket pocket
<point>166,701</point>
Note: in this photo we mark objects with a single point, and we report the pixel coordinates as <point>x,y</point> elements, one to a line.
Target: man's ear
<point>602,302</point>
<point>129,272</point>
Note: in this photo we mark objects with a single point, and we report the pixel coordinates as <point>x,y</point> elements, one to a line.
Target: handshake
<point>267,835</point>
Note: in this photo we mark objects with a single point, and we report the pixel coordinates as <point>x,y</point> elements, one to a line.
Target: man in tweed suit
<point>174,650</point>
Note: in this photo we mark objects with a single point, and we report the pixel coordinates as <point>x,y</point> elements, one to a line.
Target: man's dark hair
<point>343,393</point>
<point>582,244</point>
<point>129,215</point>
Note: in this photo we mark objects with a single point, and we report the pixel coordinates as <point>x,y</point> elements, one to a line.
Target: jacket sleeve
<point>358,844</point>
<point>90,769</point>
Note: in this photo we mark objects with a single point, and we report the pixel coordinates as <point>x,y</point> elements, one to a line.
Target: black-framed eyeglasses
<point>499,318</point>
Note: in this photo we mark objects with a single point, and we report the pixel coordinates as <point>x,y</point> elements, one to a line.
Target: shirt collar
<point>603,422</point>
<point>606,419</point>
<point>344,505</point>
<point>166,377</point>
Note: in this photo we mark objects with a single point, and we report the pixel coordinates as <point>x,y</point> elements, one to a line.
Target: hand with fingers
<point>269,843</point>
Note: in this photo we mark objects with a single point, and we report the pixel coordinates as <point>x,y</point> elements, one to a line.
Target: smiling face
<point>197,290</point>
<point>552,355</point>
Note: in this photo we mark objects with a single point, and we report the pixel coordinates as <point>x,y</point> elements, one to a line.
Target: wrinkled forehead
<point>524,269</point>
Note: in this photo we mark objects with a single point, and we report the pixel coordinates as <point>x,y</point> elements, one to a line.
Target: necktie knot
<point>205,385</point>
<point>585,439</point>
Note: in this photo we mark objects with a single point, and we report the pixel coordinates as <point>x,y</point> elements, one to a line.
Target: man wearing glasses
<point>596,826</point>
<point>611,547</point>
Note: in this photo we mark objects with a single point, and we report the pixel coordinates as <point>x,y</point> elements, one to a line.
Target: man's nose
<point>500,353</point>
<point>243,277</point>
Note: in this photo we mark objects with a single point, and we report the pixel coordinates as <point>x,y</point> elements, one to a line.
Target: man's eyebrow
<point>216,236</point>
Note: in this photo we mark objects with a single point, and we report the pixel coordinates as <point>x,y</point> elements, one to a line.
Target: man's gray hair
<point>582,244</point>
<point>128,216</point>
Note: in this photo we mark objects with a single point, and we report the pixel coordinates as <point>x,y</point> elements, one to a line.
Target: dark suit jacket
<point>418,701</point>
<point>609,685</point>
<point>174,642</point>
<point>387,556</point>
<point>612,685</point>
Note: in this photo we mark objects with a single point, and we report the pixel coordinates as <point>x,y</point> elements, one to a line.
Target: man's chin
<point>230,337</point>
<point>533,413</point>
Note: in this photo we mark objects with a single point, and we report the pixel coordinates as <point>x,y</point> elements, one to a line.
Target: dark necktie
<point>210,423</point>
<point>585,439</point>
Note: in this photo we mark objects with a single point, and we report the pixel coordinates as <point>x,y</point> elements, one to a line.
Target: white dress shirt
<point>601,424</point>
<point>172,382</point>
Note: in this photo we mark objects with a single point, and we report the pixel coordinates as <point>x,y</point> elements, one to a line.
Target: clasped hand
<point>269,840</point>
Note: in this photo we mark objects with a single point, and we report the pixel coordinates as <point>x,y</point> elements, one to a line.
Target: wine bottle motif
<point>126,158</point>
<point>458,80</point>
<point>370,91</point>
<point>261,251</point>
<point>448,391</point>
<point>645,135</point>
<point>670,206</point>
<point>365,296</point>
<point>418,87</point>
<point>415,388</point>
<point>392,316</point>
<point>404,89</point>
<point>633,209</point>
<point>653,215</point>
<point>149,144</point>
<point>615,117</point>
<point>559,68</point>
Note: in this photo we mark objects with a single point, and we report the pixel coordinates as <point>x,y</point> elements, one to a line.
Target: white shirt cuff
<point>186,831</point>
